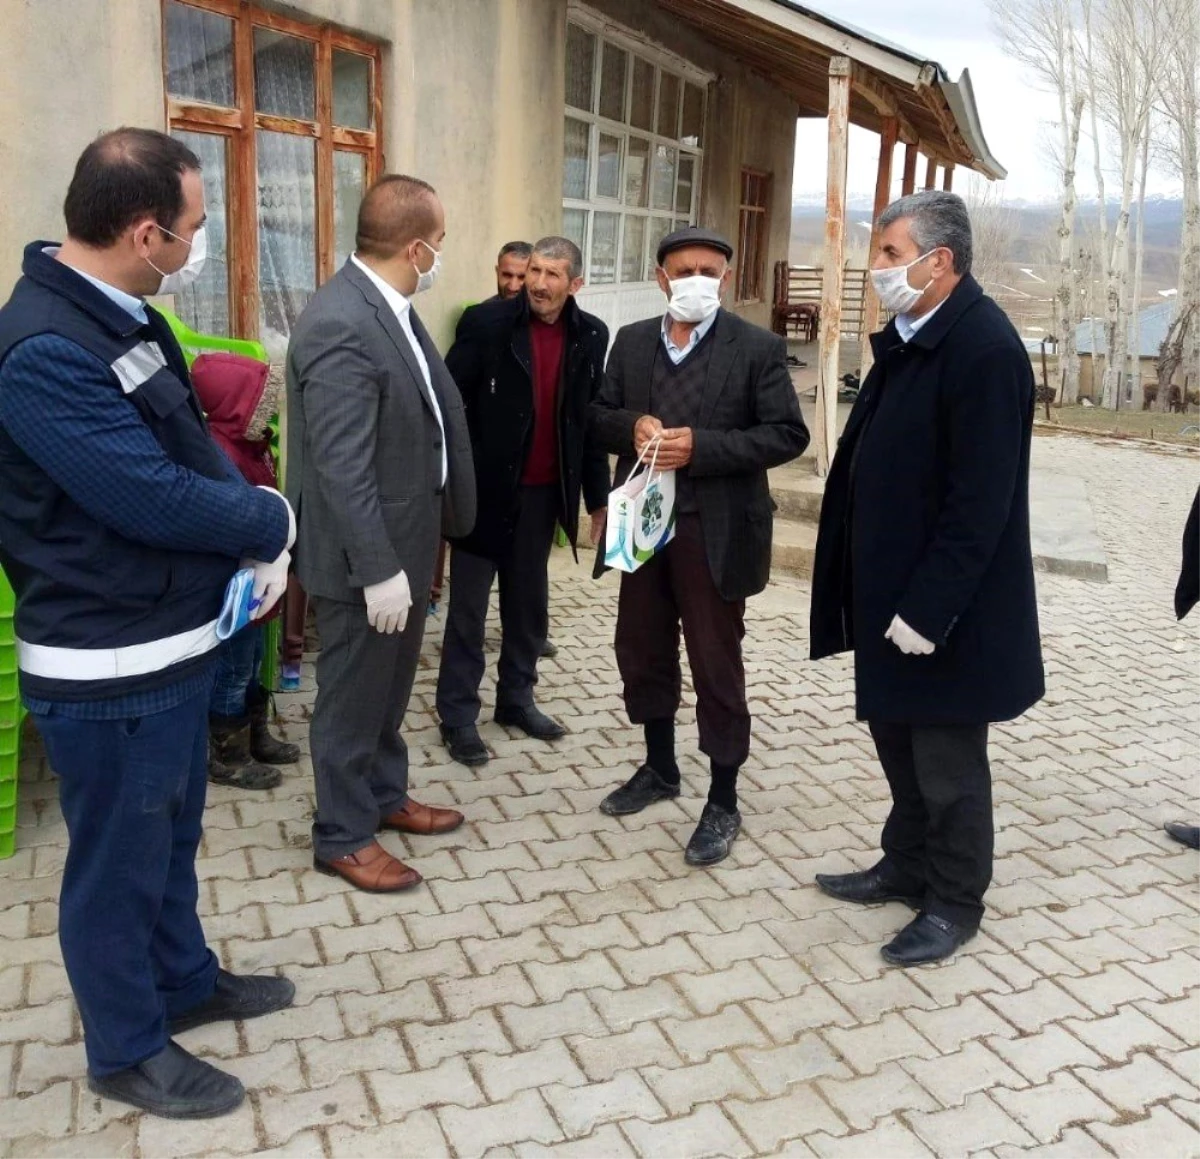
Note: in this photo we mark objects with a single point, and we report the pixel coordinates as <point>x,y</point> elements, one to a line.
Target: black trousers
<point>939,835</point>
<point>524,600</point>
<point>676,589</point>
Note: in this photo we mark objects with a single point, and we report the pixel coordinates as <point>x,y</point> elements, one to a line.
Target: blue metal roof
<point>1154,321</point>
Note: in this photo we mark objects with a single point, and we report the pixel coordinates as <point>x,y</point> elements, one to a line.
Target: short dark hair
<point>561,249</point>
<point>395,211</point>
<point>521,249</point>
<point>123,176</point>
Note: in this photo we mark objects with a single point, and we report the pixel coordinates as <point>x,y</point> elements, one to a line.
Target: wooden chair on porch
<point>791,318</point>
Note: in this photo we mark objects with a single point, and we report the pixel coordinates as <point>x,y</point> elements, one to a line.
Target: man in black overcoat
<point>924,569</point>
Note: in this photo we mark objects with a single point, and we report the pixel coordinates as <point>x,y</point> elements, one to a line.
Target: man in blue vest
<point>121,523</point>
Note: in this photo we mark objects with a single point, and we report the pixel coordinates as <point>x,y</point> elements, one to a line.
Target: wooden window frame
<point>750,283</point>
<point>239,126</point>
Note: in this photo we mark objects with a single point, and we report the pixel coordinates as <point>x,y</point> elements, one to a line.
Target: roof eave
<point>960,97</point>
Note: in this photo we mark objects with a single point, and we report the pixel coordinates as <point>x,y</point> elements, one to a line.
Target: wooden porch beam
<point>909,181</point>
<point>883,195</point>
<point>833,272</point>
<point>884,102</point>
<point>930,174</point>
<point>948,178</point>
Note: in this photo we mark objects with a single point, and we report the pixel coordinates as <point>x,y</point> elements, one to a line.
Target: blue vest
<point>81,585</point>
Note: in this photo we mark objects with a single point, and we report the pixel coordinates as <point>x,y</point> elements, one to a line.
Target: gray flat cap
<point>693,235</point>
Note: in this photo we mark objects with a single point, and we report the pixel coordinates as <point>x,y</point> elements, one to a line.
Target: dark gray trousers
<point>939,834</point>
<point>360,760</point>
<point>524,600</point>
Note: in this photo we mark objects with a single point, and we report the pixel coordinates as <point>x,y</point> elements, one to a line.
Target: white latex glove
<point>388,604</point>
<point>909,642</point>
<point>291,515</point>
<point>270,581</point>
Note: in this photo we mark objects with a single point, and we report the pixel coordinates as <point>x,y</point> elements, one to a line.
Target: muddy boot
<point>263,746</point>
<point>229,759</point>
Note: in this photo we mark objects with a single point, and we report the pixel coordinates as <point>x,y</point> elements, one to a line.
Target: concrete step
<point>797,493</point>
<point>793,546</point>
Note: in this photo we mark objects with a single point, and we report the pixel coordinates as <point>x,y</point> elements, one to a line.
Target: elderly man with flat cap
<point>717,390</point>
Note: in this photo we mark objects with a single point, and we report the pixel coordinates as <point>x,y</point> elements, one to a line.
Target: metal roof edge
<point>960,97</point>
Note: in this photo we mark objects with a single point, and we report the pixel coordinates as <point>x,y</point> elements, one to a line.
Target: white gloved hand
<point>270,581</point>
<point>909,642</point>
<point>291,540</point>
<point>388,604</point>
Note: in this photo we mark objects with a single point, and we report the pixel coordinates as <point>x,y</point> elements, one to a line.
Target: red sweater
<point>546,344</point>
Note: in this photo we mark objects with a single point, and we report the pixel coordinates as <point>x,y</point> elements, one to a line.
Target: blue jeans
<point>237,669</point>
<point>132,794</point>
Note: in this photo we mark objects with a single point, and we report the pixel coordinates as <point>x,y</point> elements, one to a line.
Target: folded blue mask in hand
<point>239,604</point>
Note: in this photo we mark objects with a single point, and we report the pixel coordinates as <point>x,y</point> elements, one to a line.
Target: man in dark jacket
<point>1187,593</point>
<point>717,391</point>
<point>924,569</point>
<point>527,367</point>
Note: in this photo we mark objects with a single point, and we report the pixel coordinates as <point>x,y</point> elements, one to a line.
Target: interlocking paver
<point>566,985</point>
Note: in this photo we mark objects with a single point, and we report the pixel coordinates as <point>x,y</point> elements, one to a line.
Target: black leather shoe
<point>548,649</point>
<point>870,887</point>
<point>465,745</point>
<point>174,1085</point>
<point>237,996</point>
<point>927,938</point>
<point>714,835</point>
<point>1188,835</point>
<point>642,789</point>
<point>531,721</point>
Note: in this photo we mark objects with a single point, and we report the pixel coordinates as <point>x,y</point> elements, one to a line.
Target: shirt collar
<point>694,338</point>
<point>907,326</point>
<point>398,303</point>
<point>128,302</point>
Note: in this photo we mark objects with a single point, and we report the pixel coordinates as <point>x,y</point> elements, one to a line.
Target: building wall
<point>472,103</point>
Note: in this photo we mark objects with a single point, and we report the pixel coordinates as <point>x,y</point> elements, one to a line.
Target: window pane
<point>608,167</point>
<point>349,185</point>
<point>683,190</point>
<point>612,83</point>
<point>637,172</point>
<point>641,109</point>
<point>680,223</point>
<point>603,266</point>
<point>199,55</point>
<point>575,167</point>
<point>692,130</point>
<point>287,232</point>
<point>283,75</point>
<point>631,248</point>
<point>581,59</point>
<point>668,105</point>
<point>204,305</point>
<point>351,90</point>
<point>662,192</point>
<point>575,226</point>
<point>657,228</point>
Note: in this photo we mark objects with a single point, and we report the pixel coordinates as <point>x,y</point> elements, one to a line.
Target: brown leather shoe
<point>371,868</point>
<point>413,817</point>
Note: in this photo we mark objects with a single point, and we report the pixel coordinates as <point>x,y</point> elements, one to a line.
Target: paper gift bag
<point>641,513</point>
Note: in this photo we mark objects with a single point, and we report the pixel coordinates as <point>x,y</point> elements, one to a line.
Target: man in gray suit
<point>379,469</point>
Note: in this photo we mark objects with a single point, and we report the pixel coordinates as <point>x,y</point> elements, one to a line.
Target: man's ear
<point>664,283</point>
<point>726,277</point>
<point>576,285</point>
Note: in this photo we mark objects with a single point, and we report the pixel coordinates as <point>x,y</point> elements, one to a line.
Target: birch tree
<point>1139,257</point>
<point>1042,36</point>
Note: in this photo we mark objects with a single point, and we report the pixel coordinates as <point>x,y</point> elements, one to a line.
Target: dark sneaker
<point>174,1085</point>
<point>714,835</point>
<point>927,938</point>
<point>870,887</point>
<point>237,996</point>
<point>465,744</point>
<point>642,789</point>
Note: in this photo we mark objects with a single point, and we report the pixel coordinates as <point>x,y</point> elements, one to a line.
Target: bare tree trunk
<point>1066,305</point>
<point>1098,395</point>
<point>1135,354</point>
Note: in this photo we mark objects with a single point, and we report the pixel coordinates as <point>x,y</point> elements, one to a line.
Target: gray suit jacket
<point>364,467</point>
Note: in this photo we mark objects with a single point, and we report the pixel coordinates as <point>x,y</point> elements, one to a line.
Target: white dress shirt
<point>907,326</point>
<point>401,307</point>
<point>678,353</point>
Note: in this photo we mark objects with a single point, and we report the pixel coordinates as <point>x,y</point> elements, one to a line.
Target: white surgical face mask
<point>190,270</point>
<point>892,288</point>
<point>426,279</point>
<point>694,299</point>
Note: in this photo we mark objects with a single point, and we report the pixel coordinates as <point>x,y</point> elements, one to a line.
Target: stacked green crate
<point>11,715</point>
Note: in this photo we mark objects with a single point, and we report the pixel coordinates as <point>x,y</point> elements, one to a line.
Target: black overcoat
<point>492,364</point>
<point>926,516</point>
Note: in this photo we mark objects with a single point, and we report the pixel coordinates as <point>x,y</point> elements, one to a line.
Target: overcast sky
<point>957,34</point>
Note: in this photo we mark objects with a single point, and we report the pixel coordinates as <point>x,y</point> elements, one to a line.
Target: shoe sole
<point>701,864</point>
<point>549,736</point>
<point>168,1112</point>
<point>470,762</point>
<point>610,811</point>
<point>901,963</point>
<point>183,1025</point>
<point>329,871</point>
<point>905,899</point>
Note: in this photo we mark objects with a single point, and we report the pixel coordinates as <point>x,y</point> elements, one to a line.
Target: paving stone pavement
<point>564,985</point>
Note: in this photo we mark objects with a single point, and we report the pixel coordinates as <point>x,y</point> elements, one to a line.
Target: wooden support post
<point>833,267</point>
<point>909,181</point>
<point>883,195</point>
<point>930,174</point>
<point>948,178</point>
